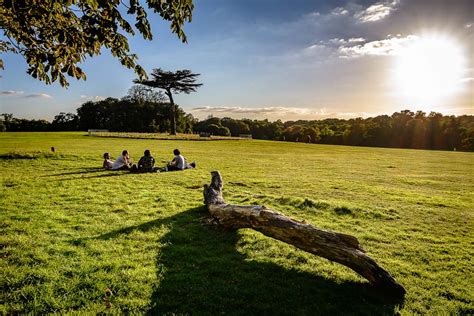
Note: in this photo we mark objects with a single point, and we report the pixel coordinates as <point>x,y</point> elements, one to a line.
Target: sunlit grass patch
<point>69,230</point>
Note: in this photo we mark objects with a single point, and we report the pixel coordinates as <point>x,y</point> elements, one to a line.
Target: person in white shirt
<point>179,162</point>
<point>122,162</point>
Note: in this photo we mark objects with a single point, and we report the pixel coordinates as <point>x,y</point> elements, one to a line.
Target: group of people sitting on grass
<point>146,163</point>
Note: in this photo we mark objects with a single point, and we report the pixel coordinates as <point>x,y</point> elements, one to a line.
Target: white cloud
<point>244,110</point>
<point>38,95</point>
<point>272,113</point>
<point>356,40</point>
<point>386,47</point>
<point>339,11</point>
<point>337,41</point>
<point>93,97</point>
<point>11,93</point>
<point>358,13</point>
<point>376,12</point>
<point>313,14</point>
<point>315,47</point>
<point>341,41</point>
<point>355,47</point>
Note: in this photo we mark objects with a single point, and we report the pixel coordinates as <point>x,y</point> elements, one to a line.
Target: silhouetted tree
<point>181,81</point>
<point>65,122</point>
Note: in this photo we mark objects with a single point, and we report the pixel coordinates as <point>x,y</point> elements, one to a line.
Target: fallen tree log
<point>337,247</point>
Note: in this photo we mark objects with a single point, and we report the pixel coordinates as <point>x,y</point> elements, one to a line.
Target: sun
<point>429,69</point>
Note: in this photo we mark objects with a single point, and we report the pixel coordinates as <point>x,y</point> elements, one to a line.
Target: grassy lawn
<point>71,232</point>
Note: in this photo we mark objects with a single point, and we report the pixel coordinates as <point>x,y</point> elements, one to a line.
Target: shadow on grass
<point>201,272</point>
<point>20,156</point>
<point>82,171</point>
<point>108,174</point>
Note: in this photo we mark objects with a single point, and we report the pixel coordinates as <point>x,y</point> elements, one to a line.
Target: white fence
<point>95,132</point>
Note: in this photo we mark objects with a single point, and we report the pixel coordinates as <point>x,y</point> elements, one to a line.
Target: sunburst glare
<point>429,69</point>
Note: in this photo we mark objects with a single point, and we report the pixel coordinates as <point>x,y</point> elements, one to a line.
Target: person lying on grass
<point>107,165</point>
<point>147,163</point>
<point>179,162</point>
<point>123,162</point>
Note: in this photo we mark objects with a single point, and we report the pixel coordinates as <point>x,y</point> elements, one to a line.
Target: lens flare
<point>429,69</point>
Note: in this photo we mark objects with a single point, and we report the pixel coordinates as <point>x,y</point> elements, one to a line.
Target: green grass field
<point>70,231</point>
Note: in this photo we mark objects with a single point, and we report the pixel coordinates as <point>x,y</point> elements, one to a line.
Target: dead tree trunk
<point>340,248</point>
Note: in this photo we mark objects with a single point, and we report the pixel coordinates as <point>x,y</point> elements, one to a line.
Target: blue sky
<point>287,60</point>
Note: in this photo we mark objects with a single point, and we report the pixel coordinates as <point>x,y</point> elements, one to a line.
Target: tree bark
<point>173,112</point>
<point>337,247</point>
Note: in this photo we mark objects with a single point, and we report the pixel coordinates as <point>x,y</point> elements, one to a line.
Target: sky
<point>286,59</point>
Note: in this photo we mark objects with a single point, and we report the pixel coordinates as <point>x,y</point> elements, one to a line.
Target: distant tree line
<point>141,110</point>
<point>405,129</point>
<point>144,110</point>
<point>128,116</point>
<point>259,129</point>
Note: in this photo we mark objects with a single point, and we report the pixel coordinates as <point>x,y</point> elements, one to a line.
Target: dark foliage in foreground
<point>55,36</point>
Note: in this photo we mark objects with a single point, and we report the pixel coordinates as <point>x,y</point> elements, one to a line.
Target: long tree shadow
<point>81,171</point>
<point>201,272</point>
<point>104,174</point>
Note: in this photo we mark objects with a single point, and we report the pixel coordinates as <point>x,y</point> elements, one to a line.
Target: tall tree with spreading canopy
<point>141,94</point>
<point>56,36</point>
<point>172,82</point>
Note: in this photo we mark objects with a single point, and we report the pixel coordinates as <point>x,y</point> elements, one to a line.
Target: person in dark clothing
<point>147,163</point>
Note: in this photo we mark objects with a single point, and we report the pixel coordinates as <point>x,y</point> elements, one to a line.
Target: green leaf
<point>54,36</point>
